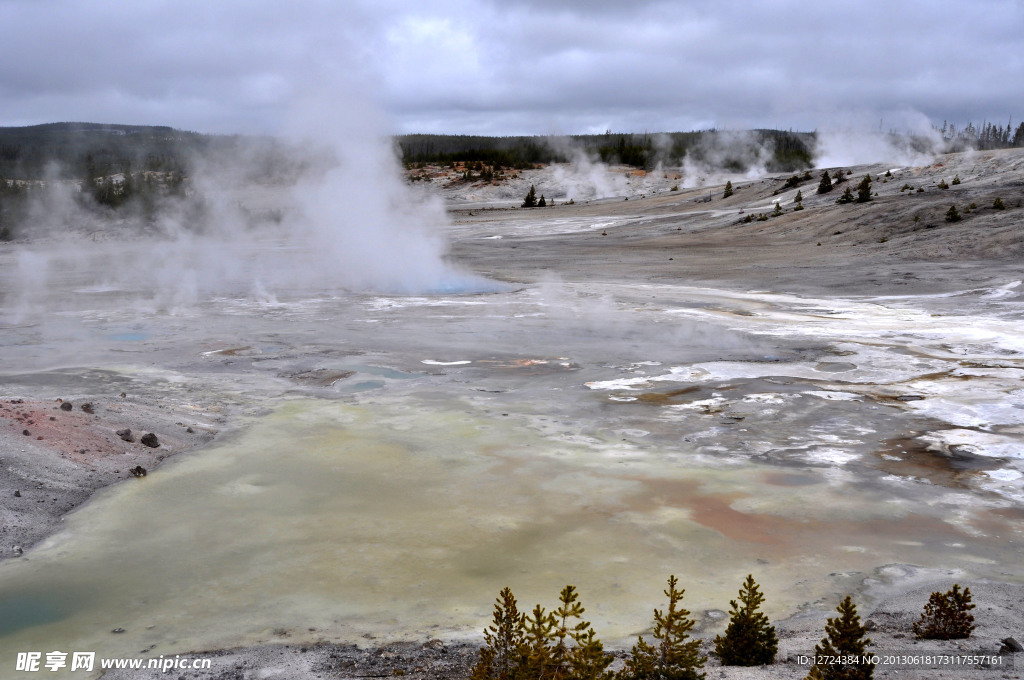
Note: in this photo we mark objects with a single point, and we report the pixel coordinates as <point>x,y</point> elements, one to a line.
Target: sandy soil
<point>899,243</point>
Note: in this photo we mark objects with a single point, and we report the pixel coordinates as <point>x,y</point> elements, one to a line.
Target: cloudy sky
<point>514,66</point>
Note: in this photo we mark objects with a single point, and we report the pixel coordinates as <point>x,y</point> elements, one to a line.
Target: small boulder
<point>149,439</point>
<point>17,494</point>
<point>138,471</point>
<point>1010,645</point>
<point>126,435</point>
<point>66,406</point>
<point>87,407</point>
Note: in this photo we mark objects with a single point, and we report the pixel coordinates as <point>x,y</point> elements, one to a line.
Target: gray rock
<point>66,406</point>
<point>1011,645</point>
<point>126,435</point>
<point>149,439</point>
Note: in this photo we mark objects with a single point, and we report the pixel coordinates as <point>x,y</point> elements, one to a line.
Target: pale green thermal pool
<point>337,520</point>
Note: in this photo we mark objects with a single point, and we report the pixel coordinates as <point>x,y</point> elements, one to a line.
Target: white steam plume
<point>910,139</point>
<point>346,223</point>
<point>584,178</point>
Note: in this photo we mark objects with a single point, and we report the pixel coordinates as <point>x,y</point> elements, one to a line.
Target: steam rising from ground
<point>726,155</point>
<point>584,177</point>
<point>913,141</point>
<point>344,222</point>
<point>369,230</point>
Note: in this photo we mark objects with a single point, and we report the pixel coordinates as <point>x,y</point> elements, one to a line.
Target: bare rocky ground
<point>52,459</point>
<point>899,243</point>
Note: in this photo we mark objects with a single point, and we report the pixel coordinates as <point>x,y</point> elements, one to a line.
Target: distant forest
<point>788,151</point>
<point>84,151</point>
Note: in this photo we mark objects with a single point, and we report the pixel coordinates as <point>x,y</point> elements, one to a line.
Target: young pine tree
<point>845,637</point>
<point>589,660</point>
<point>825,185</point>
<point>864,190</point>
<point>531,198</point>
<point>749,640</point>
<point>540,633</point>
<point>946,616</point>
<point>847,197</point>
<point>584,658</point>
<point>673,657</point>
<point>953,215</point>
<point>728,190</point>
<point>505,642</point>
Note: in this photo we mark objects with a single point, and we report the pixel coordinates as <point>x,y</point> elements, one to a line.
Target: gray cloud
<point>520,66</point>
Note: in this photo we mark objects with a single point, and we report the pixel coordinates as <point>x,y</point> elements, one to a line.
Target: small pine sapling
<point>847,197</point>
<point>942,184</point>
<point>953,215</point>
<point>569,607</point>
<point>531,198</point>
<point>749,639</point>
<point>825,185</point>
<point>728,190</point>
<point>946,616</point>
<point>864,190</point>
<point>673,655</point>
<point>998,204</point>
<point>845,638</point>
<point>540,631</point>
<point>956,180</point>
<point>778,210</point>
<point>504,648</point>
<point>585,659</point>
<point>814,674</point>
